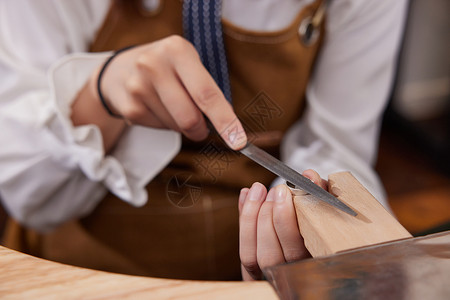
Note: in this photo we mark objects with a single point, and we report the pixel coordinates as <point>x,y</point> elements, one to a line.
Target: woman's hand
<point>164,85</point>
<point>269,232</point>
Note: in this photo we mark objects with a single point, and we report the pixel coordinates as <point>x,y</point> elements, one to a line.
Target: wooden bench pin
<point>327,230</point>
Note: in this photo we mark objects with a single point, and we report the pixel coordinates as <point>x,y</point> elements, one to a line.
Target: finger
<point>269,251</point>
<point>210,100</point>
<point>144,116</point>
<point>134,111</point>
<point>248,228</point>
<point>246,276</point>
<point>285,223</point>
<point>315,177</point>
<point>242,196</point>
<point>142,105</point>
<point>183,111</point>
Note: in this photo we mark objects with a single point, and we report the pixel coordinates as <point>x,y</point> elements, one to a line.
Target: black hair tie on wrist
<point>99,78</point>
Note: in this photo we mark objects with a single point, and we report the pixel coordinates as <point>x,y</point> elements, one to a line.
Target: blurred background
<point>414,153</point>
<point>414,162</point>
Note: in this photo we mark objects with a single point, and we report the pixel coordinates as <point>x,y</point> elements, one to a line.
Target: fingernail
<point>232,137</point>
<point>236,136</point>
<point>255,192</point>
<point>237,139</point>
<point>280,194</point>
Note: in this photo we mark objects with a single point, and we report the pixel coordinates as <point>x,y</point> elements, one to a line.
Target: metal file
<point>279,168</point>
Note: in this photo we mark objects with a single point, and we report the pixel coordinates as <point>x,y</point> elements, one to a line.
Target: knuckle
<point>132,113</point>
<point>134,87</point>
<point>294,256</point>
<point>269,259</point>
<point>250,265</point>
<point>190,123</point>
<point>176,45</point>
<point>150,62</point>
<point>208,97</point>
<point>142,60</point>
<point>175,39</point>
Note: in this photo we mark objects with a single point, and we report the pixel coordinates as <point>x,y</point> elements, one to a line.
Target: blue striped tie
<point>203,28</point>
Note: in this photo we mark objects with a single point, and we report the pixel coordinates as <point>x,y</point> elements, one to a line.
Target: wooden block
<point>327,230</point>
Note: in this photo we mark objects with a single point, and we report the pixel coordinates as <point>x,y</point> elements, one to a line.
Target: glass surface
<point>416,268</point>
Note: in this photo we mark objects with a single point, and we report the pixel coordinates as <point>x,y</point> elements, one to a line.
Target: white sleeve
<point>52,171</point>
<point>348,92</point>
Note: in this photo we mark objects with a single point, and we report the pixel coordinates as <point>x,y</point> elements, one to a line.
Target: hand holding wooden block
<point>327,230</point>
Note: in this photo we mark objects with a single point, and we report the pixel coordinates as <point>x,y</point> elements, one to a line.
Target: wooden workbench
<point>27,277</point>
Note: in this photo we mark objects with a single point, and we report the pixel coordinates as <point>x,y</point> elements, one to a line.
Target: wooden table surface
<point>27,277</point>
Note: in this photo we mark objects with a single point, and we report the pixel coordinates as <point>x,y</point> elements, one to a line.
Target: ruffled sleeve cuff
<point>138,157</point>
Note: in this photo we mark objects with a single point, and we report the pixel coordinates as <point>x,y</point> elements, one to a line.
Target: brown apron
<point>189,227</point>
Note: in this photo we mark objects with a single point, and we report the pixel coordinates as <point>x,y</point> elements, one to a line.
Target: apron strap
<point>202,25</point>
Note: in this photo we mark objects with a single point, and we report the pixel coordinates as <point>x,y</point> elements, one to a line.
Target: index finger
<point>210,100</point>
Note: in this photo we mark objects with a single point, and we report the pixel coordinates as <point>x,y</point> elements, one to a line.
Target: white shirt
<point>51,171</point>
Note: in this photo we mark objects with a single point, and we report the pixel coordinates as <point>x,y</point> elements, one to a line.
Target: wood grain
<point>27,277</point>
<point>327,230</point>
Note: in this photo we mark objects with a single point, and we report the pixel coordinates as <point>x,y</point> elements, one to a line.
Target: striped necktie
<point>203,28</point>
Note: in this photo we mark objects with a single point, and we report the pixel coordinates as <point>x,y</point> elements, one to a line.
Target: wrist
<point>103,100</point>
<point>88,109</point>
